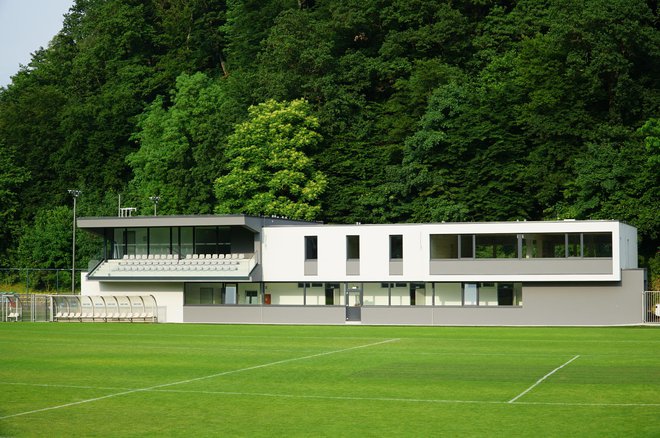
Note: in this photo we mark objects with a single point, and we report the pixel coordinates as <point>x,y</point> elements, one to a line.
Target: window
<point>444,246</point>
<point>186,241</point>
<point>396,247</point>
<point>205,240</point>
<point>448,294</point>
<point>352,247</point>
<point>478,294</point>
<point>467,246</point>
<point>496,246</point>
<point>574,246</point>
<point>136,241</point>
<point>118,248</point>
<point>252,297</point>
<point>544,245</point>
<point>597,245</point>
<point>224,240</point>
<point>567,245</point>
<point>470,294</point>
<point>203,294</point>
<point>159,240</point>
<point>311,248</point>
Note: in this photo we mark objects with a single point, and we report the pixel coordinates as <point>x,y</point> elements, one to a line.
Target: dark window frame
<point>311,247</point>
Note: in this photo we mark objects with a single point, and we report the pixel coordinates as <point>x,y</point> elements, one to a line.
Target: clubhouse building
<point>262,270</point>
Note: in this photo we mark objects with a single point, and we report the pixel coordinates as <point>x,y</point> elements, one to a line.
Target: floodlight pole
<point>155,200</point>
<point>75,194</point>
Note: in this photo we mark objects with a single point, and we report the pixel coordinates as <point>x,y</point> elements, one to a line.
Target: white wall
<point>169,296</point>
<point>284,250</point>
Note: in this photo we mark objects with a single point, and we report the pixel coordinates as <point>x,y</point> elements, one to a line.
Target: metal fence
<point>651,312</point>
<point>31,280</point>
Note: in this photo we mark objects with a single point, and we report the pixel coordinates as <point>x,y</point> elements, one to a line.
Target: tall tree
<point>182,147</point>
<point>12,177</point>
<point>269,172</point>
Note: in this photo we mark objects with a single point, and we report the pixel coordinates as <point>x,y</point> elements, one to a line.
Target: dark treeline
<point>457,110</point>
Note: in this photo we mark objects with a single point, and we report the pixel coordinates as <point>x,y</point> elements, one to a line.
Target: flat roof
<point>253,223</point>
<point>256,223</point>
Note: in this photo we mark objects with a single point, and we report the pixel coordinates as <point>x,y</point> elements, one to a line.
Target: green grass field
<point>71,379</point>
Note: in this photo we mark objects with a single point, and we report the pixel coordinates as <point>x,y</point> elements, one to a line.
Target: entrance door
<point>354,302</point>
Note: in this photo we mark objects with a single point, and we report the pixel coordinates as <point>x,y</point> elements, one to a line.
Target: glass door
<point>353,302</point>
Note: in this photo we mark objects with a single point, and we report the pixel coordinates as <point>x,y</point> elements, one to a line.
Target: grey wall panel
<point>396,267</point>
<point>557,304</point>
<point>265,314</point>
<point>304,315</point>
<point>352,267</point>
<point>397,315</point>
<point>222,314</point>
<point>586,304</point>
<point>311,267</point>
<point>521,266</point>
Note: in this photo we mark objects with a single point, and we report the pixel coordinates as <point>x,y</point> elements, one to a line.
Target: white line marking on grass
<point>52,385</point>
<point>542,379</point>
<point>397,399</point>
<point>224,373</point>
<point>348,398</point>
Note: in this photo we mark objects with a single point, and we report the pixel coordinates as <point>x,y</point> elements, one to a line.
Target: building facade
<point>244,269</point>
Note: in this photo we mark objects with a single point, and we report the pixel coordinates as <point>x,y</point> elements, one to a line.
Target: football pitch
<point>69,379</point>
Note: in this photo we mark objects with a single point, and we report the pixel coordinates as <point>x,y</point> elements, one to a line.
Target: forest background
<point>384,111</point>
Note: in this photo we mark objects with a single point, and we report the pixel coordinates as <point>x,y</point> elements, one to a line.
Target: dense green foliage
<point>128,380</point>
<point>269,173</point>
<point>459,110</point>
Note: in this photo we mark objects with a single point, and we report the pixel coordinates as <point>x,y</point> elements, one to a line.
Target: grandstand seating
<point>172,265</point>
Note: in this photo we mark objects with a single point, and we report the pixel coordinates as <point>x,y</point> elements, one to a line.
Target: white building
<point>244,269</point>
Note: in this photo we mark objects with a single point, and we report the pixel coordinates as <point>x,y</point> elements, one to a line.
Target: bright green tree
<point>270,173</point>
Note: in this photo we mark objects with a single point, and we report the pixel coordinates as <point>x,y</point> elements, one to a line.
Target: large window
<point>448,294</point>
<point>451,246</point>
<point>496,246</point>
<point>597,245</point>
<point>219,294</point>
<point>562,245</point>
<point>444,246</point>
<point>311,248</point>
<point>204,294</point>
<point>544,245</point>
<point>186,240</point>
<point>159,240</point>
<point>136,241</point>
<point>467,246</point>
<point>284,294</point>
<point>574,245</point>
<point>205,238</point>
<point>478,294</point>
<point>178,240</point>
<point>396,247</point>
<point>119,248</point>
